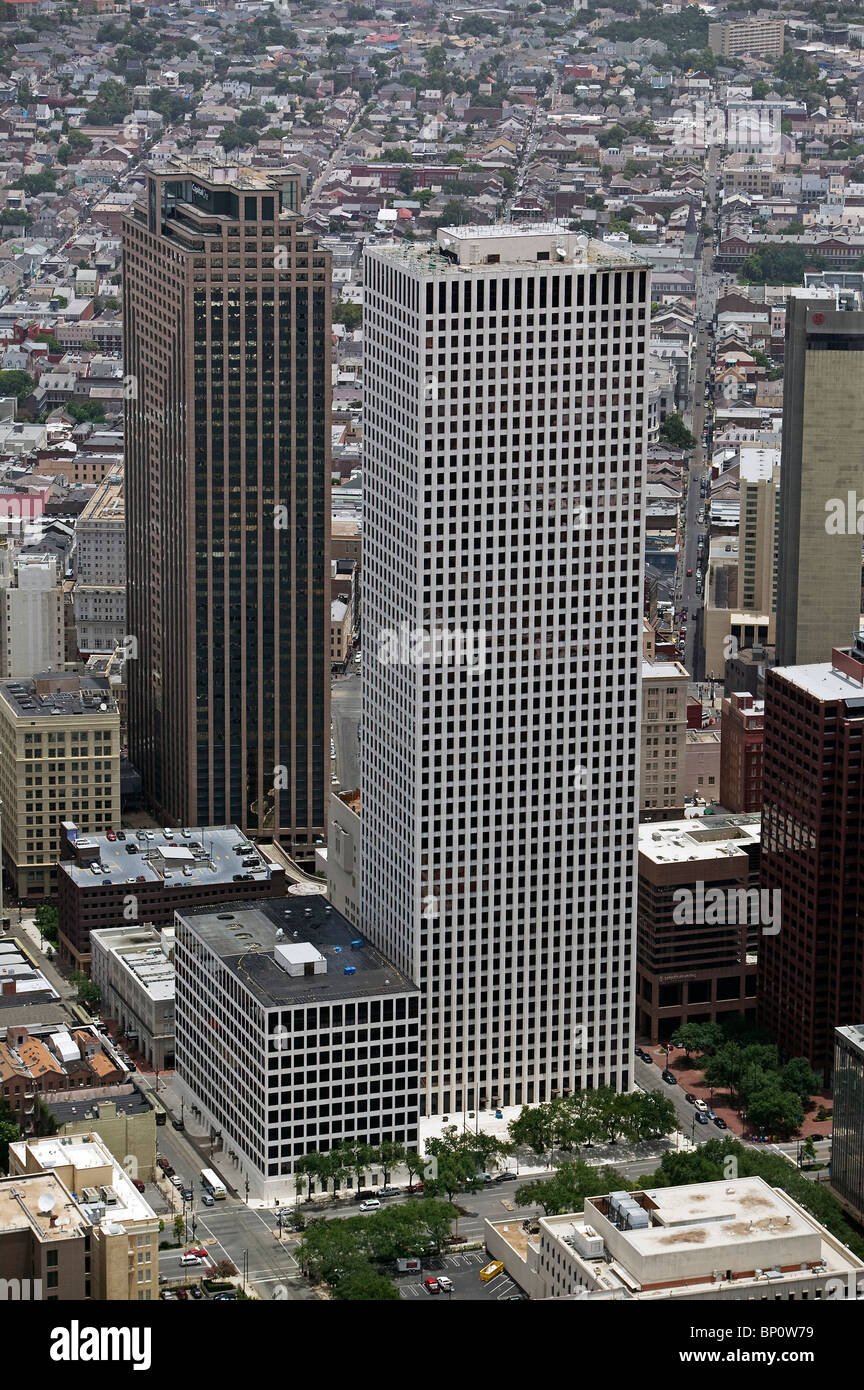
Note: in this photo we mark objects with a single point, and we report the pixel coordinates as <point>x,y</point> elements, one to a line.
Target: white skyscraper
<point>504,443</point>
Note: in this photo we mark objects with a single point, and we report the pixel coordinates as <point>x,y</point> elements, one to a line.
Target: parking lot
<point>464,1271</point>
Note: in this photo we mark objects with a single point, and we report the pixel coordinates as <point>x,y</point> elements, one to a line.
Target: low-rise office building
<point>293,1034</point>
<point>134,971</point>
<point>122,1116</point>
<point>124,1229</point>
<point>697,922</point>
<point>738,1239</point>
<point>145,876</point>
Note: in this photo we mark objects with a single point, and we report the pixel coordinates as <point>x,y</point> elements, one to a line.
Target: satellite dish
<point>46,1202</point>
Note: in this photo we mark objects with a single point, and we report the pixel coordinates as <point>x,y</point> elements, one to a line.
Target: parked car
<point>670,1078</point>
<point>388,1192</point>
<point>197,1250</point>
<point>431,1285</point>
<point>721,1124</point>
<point>689,574</point>
<point>177,1124</point>
<point>701,1105</point>
<point>226,1298</point>
<point>182,1293</point>
<point>138,1184</point>
<point>174,1180</point>
<point>690,1098</point>
<point>162,1163</point>
<point>445,1284</point>
<point>196,1291</point>
<point>371,1205</point>
<point>701,1117</point>
<point>121,834</point>
<point>167,1294</point>
<point>505,1177</point>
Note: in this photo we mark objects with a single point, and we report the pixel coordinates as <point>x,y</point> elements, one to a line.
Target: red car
<point>689,574</point>
<point>199,1251</point>
<point>111,835</point>
<point>136,1182</point>
<point>431,1285</point>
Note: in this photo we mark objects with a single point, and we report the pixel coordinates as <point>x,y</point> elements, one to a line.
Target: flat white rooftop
<point>703,839</point>
<point>823,680</point>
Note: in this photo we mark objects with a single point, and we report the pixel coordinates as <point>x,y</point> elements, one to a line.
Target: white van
<point>371,1204</point>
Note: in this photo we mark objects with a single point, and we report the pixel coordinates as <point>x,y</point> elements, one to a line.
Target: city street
<point>345,711</point>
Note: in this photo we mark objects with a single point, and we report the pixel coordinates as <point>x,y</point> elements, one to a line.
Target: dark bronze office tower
<point>227,339</point>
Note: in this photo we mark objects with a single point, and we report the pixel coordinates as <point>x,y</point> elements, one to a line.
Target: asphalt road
<point>345,711</point>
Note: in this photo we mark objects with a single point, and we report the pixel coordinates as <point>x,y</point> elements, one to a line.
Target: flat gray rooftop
<point>245,938</point>
<point>158,854</point>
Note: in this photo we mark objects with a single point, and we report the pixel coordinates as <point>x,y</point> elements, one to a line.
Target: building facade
<point>847,1134</point>
<point>811,974</point>
<point>821,478</point>
<point>100,588</point>
<point>698,931</point>
<point>227,321</point>
<point>737,1239</point>
<point>31,615</point>
<point>763,37</point>
<point>293,1034</point>
<point>59,761</point>
<point>741,752</point>
<point>134,971</point>
<point>505,378</point>
<point>123,1228</point>
<point>663,741</point>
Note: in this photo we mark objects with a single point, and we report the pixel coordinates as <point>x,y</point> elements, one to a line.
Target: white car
<point>371,1204</point>
<point>445,1284</point>
<point>701,1105</point>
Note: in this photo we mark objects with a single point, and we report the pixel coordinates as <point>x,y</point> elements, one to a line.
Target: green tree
<point>697,1037</point>
<point>179,1228</point>
<point>416,1165</point>
<point>9,1133</point>
<point>771,1110</point>
<point>808,1150</point>
<point>47,922</point>
<point>88,992</point>
<point>351,315</point>
<point>567,1189</point>
<point>388,1156</point>
<point>363,1283</point>
<point>799,1076</point>
<point>85,411</point>
<point>676,433</point>
<point>15,383</point>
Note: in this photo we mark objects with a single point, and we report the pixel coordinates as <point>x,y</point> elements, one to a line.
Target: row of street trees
<point>592,1117</point>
